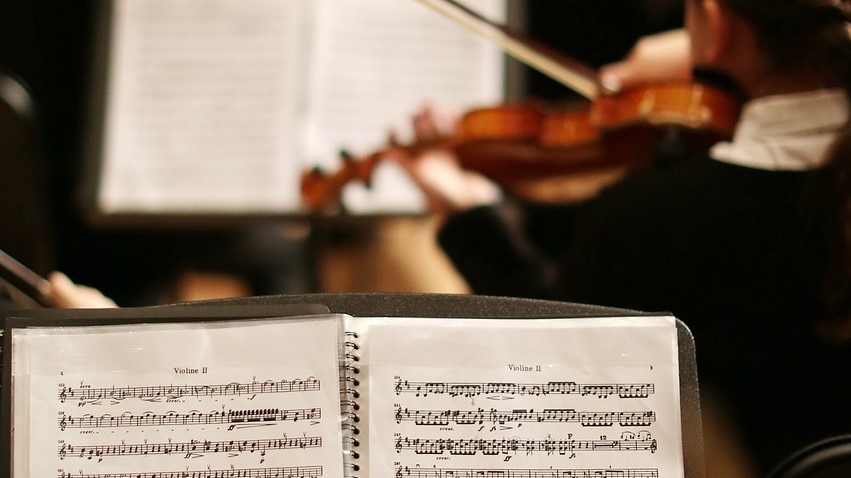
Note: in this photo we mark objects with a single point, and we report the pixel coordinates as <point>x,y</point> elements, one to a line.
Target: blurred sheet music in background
<point>217,106</point>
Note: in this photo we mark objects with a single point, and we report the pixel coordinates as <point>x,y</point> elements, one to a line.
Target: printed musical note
<point>501,417</point>
<point>506,446</point>
<point>233,417</point>
<point>174,392</point>
<point>526,473</point>
<point>279,472</point>
<point>189,449</point>
<point>622,390</point>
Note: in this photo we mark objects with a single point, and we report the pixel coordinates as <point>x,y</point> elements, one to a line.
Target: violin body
<point>622,130</point>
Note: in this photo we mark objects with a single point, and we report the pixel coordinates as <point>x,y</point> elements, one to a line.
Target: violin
<point>514,145</point>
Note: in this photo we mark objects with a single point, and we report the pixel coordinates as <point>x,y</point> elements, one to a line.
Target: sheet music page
<point>246,398</point>
<point>375,64</point>
<point>220,105</point>
<point>203,105</point>
<point>552,397</point>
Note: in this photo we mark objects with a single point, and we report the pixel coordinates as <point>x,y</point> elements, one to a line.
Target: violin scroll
<point>320,190</point>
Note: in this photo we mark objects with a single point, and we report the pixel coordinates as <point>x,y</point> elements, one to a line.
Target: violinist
<point>748,243</point>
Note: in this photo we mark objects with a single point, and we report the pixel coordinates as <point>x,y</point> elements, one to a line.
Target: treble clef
<point>398,414</point>
<point>399,445</point>
<point>399,386</point>
<point>63,423</point>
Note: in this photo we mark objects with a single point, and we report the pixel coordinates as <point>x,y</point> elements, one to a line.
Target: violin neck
<point>566,71</point>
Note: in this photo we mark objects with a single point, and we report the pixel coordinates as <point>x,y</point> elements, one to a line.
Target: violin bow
<point>19,281</point>
<point>575,76</point>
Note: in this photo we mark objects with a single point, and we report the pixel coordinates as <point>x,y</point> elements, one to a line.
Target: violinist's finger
<point>392,137</point>
<point>425,126</point>
<point>613,77</point>
<point>433,123</point>
<point>655,58</point>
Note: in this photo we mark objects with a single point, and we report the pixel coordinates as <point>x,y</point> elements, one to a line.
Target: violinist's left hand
<point>448,187</point>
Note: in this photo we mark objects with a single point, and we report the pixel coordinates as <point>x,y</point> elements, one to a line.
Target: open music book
<point>329,395</point>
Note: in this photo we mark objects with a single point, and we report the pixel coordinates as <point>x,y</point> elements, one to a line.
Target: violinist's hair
<point>814,36</point>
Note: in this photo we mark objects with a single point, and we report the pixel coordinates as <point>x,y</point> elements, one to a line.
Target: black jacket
<point>733,252</point>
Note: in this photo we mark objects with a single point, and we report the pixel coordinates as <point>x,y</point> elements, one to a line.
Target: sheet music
<point>220,105</point>
<point>376,63</point>
<point>560,397</point>
<point>257,398</point>
<point>203,105</point>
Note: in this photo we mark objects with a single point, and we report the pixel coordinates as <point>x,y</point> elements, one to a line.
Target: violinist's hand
<point>448,187</point>
<point>655,58</point>
<point>431,123</point>
<point>66,294</point>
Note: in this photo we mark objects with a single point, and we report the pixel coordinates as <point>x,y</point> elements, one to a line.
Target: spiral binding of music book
<point>350,394</point>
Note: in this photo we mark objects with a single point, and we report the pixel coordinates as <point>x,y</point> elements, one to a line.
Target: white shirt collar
<point>788,132</point>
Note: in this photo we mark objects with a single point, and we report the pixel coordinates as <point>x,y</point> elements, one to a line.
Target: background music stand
<point>458,305</point>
